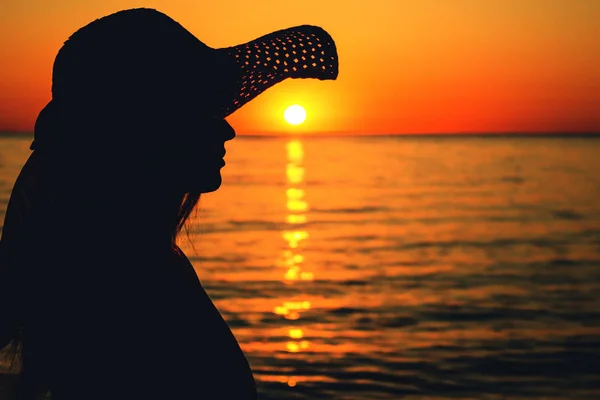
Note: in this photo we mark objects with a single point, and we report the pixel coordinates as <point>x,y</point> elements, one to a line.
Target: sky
<point>406,66</point>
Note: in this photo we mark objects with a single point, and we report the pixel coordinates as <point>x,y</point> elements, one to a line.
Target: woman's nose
<point>228,132</point>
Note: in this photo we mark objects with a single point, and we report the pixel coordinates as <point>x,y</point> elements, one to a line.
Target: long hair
<point>26,196</point>
<point>30,194</point>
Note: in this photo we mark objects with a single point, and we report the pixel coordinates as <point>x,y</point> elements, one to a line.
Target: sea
<point>403,267</point>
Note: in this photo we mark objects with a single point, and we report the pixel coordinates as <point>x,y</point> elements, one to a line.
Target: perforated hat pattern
<point>300,52</point>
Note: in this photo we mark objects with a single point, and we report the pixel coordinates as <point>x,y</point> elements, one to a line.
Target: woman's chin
<point>202,179</point>
<point>210,185</point>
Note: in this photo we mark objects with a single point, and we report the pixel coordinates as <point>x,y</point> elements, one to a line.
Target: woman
<point>96,296</point>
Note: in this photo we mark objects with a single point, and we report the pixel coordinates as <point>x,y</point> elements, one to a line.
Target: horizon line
<point>10,133</point>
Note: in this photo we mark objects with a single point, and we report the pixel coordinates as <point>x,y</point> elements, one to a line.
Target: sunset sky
<point>420,66</point>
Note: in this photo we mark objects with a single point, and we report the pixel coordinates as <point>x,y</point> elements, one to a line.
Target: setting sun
<point>295,114</point>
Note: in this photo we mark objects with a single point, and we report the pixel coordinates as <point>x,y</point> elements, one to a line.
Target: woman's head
<point>136,94</point>
<point>137,83</point>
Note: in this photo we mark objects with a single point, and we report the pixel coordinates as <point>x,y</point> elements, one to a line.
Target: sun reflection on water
<point>293,261</point>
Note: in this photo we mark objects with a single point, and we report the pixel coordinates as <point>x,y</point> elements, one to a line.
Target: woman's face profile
<point>202,155</point>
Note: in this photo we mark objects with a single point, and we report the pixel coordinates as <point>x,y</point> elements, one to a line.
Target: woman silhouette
<point>96,297</point>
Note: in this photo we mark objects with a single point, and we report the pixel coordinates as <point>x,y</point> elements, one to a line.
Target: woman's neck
<point>139,221</point>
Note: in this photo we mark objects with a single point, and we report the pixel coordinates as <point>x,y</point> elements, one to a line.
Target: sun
<point>295,114</point>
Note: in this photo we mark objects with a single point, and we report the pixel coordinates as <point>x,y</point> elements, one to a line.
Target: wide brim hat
<point>126,51</point>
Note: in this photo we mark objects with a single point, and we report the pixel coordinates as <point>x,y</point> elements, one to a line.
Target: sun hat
<point>124,52</point>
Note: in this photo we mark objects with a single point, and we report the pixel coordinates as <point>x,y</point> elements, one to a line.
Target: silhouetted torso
<point>128,318</point>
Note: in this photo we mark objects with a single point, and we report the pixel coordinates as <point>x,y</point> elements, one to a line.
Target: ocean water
<point>403,268</point>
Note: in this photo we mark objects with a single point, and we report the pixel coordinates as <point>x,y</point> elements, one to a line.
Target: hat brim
<point>304,51</point>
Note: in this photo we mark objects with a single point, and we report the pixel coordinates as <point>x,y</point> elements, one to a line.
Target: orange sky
<point>405,66</point>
